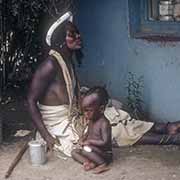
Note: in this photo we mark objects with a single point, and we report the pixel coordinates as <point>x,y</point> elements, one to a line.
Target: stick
<point>19,155</point>
<point>17,159</point>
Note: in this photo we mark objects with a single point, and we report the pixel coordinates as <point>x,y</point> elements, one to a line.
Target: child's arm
<point>82,139</point>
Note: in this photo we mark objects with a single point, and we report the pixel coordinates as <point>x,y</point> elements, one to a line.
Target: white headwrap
<point>67,16</point>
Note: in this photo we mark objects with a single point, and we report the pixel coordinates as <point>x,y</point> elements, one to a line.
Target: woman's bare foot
<point>101,168</point>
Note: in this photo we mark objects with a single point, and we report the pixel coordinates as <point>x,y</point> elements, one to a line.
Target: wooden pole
<point>17,159</point>
<point>20,154</point>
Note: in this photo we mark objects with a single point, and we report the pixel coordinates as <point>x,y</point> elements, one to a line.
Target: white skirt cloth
<point>56,121</point>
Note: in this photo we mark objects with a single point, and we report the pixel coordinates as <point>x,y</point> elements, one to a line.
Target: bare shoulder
<point>47,64</point>
<point>46,68</point>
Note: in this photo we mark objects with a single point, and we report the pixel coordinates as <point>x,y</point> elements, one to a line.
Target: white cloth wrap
<point>56,120</point>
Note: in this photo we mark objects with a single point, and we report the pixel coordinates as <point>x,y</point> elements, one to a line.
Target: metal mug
<point>37,152</point>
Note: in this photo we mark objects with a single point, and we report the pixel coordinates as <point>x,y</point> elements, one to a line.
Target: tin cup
<point>37,152</point>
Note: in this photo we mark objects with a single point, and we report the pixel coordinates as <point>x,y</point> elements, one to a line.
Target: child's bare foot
<point>88,166</point>
<point>101,168</point>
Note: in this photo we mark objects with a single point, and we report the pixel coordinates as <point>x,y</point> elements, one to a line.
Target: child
<point>96,151</point>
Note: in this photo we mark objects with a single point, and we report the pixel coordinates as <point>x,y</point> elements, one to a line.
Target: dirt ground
<point>135,163</point>
<point>130,163</point>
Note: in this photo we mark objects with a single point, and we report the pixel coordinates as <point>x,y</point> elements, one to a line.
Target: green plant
<point>135,102</point>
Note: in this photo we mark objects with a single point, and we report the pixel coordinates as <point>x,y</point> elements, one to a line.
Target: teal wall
<point>110,54</point>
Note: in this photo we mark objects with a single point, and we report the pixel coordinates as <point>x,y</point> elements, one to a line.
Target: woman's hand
<point>50,142</point>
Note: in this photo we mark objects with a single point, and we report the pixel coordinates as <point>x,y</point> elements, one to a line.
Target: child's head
<point>94,102</point>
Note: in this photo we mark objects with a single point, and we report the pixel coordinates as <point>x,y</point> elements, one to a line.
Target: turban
<point>67,16</point>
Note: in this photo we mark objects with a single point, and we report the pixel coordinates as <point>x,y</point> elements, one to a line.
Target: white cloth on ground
<point>127,130</point>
